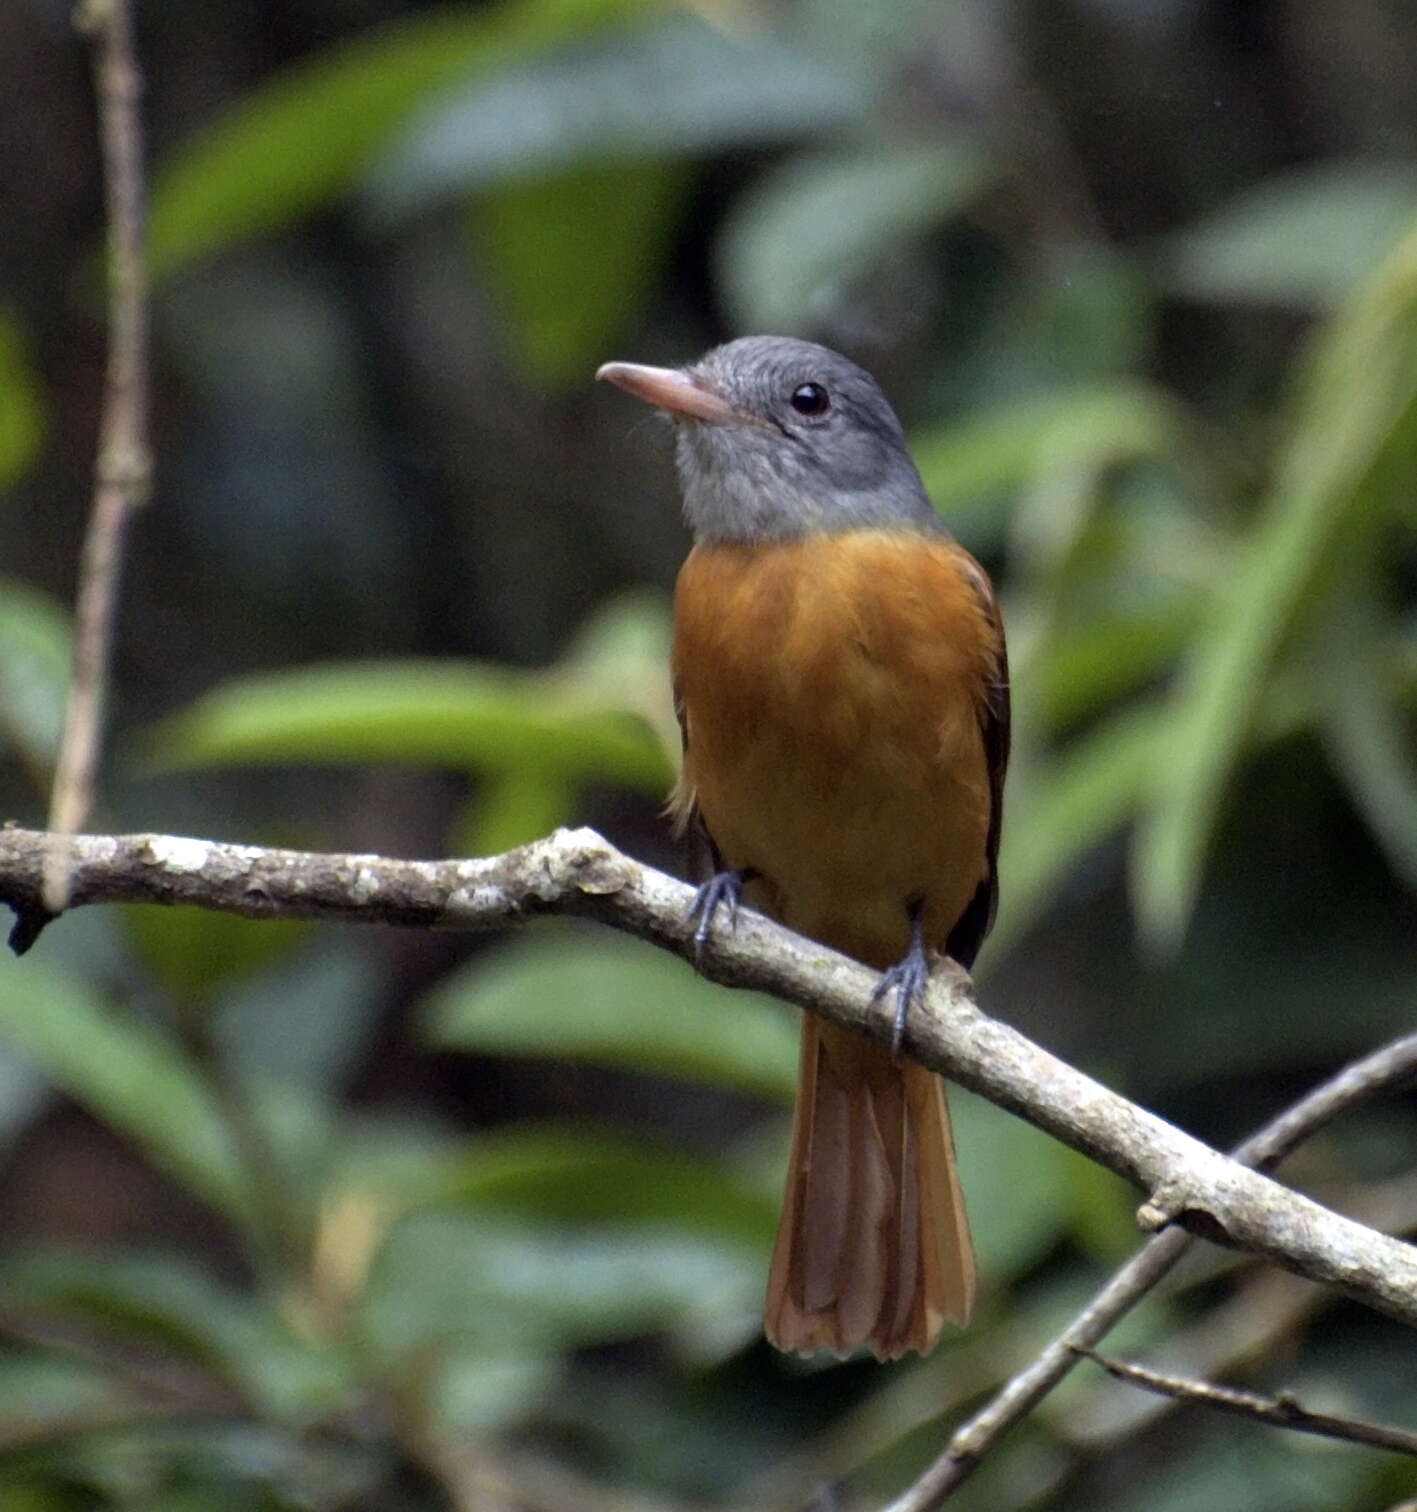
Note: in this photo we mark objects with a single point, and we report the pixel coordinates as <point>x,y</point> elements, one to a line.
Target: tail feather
<point>873,1248</point>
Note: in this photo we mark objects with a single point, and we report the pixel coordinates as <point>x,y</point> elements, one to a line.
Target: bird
<point>841,683</point>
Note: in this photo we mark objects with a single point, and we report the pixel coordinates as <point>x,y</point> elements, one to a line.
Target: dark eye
<point>811,399</point>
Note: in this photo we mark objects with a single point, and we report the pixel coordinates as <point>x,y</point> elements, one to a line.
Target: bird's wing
<point>682,807</point>
<point>994,728</point>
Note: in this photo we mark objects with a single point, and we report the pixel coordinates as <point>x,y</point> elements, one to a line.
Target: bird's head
<point>779,438</point>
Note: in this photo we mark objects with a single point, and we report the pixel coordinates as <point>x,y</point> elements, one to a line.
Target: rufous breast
<point>832,691</point>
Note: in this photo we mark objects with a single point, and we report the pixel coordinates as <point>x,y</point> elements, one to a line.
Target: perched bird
<point>842,689</point>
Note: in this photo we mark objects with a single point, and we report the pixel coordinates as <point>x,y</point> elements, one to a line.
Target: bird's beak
<point>670,389</point>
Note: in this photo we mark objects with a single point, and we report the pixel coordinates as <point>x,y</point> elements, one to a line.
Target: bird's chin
<point>735,490</point>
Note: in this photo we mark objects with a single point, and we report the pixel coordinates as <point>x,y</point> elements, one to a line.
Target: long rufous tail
<point>873,1248</point>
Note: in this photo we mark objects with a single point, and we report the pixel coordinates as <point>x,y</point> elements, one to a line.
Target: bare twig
<point>1270,1310</point>
<point>1358,1083</point>
<point>1281,1412</point>
<point>122,474</point>
<point>577,872</point>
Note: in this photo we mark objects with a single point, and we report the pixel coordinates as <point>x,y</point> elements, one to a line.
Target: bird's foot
<point>908,979</point>
<point>722,890</point>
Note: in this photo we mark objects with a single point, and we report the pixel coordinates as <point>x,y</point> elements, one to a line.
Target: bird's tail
<point>873,1248</point>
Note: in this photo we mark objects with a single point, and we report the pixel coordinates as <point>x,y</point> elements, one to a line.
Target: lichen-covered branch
<point>577,872</point>
<point>1382,1070</point>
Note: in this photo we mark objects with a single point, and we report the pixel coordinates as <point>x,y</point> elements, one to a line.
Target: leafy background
<point>300,1217</point>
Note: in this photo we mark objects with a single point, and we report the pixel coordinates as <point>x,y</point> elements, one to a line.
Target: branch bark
<point>123,471</point>
<point>1269,1310</point>
<point>577,872</point>
<point>1383,1069</point>
<point>1279,1412</point>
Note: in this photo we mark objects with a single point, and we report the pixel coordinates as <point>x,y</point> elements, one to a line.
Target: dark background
<point>302,1217</point>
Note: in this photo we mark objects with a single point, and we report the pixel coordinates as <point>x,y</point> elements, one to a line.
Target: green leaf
<point>473,1391</point>
<point>1014,1221</point>
<point>159,1303</point>
<point>306,1020</point>
<point>1102,1208</point>
<point>574,257</point>
<point>35,654</point>
<point>1356,411</point>
<point>23,1093</point>
<point>295,144</point>
<point>796,241</point>
<point>1231,1466</point>
<point>21,405</point>
<point>128,1075</point>
<point>41,1397</point>
<point>618,658</point>
<point>444,1278</point>
<point>1367,737</point>
<point>1068,803</point>
<point>1301,239</point>
<point>511,808</point>
<point>195,952</point>
<point>614,1002</point>
<point>1087,315</point>
<point>1075,802</point>
<point>671,88</point>
<point>1104,658</point>
<point>471,717</point>
<point>568,1176</point>
<point>183,1463</point>
<point>1001,450</point>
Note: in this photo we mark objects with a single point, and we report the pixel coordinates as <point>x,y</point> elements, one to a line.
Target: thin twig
<point>576,872</point>
<point>1283,1411</point>
<point>1270,1310</point>
<point>1356,1084</point>
<point>122,474</point>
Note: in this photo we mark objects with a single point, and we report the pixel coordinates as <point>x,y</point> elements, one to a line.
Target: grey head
<point>779,438</point>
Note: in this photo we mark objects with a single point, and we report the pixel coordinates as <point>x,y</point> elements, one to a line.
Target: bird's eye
<point>810,399</point>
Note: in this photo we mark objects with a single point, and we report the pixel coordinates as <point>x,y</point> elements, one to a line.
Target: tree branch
<point>1280,1412</point>
<point>1357,1083</point>
<point>123,471</point>
<point>1271,1309</point>
<point>576,872</point>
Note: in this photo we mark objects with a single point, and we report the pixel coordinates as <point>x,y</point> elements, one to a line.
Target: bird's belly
<point>843,762</point>
<point>846,835</point>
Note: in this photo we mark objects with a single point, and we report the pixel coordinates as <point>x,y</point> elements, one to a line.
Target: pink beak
<point>672,390</point>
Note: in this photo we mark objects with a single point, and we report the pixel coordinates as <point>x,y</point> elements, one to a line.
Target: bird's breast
<point>831,690</point>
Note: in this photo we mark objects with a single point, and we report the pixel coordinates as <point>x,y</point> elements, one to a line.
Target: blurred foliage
<point>796,241</point>
<point>302,1218</point>
<point>1337,481</point>
<point>1301,239</point>
<point>684,1028</point>
<point>35,652</point>
<point>21,407</point>
<point>296,144</point>
<point>570,256</point>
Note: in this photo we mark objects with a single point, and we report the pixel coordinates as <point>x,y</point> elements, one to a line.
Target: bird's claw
<point>908,979</point>
<point>723,889</point>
